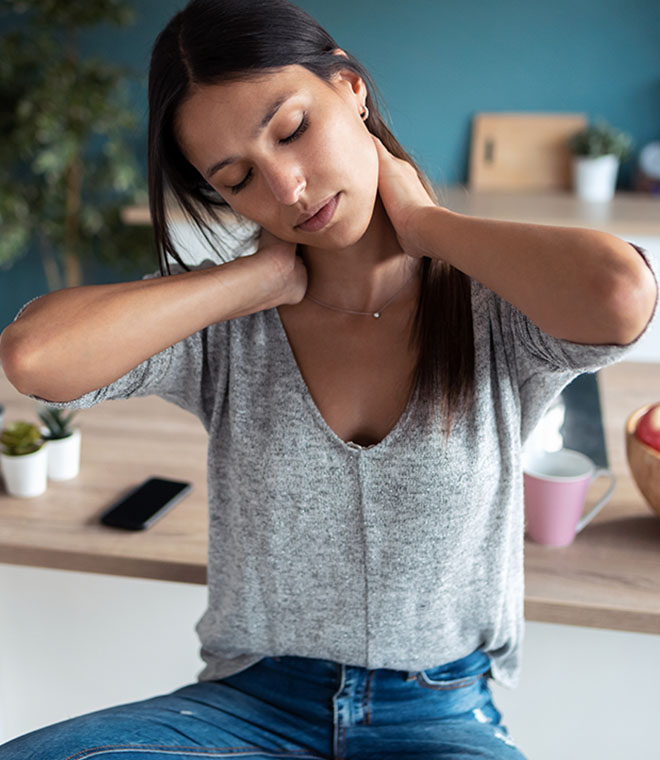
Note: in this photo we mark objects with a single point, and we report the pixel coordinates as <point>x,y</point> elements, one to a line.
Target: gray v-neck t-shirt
<point>406,554</point>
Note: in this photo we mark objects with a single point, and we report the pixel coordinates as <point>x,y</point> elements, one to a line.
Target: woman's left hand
<point>403,196</point>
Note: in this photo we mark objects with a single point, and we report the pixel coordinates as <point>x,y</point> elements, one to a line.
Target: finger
<point>379,144</point>
<point>383,151</point>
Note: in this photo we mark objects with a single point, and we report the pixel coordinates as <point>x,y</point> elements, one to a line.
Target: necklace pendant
<point>376,314</point>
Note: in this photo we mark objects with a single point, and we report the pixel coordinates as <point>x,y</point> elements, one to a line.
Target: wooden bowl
<point>644,462</point>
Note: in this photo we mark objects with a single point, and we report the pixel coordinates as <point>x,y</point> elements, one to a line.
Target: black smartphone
<point>145,504</point>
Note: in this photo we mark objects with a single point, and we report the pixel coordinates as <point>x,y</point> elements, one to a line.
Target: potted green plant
<point>63,440</point>
<point>68,160</point>
<point>24,459</point>
<point>597,152</point>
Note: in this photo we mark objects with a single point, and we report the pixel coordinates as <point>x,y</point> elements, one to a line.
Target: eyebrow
<point>267,118</point>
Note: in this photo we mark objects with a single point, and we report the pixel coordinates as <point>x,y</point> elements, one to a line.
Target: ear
<point>348,78</point>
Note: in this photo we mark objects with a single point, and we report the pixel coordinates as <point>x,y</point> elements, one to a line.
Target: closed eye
<point>299,131</point>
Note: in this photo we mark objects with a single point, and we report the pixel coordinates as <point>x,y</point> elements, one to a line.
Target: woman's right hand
<point>74,340</point>
<point>288,269</point>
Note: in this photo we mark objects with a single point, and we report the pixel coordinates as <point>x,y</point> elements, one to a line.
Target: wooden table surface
<point>628,213</point>
<point>608,578</point>
<point>123,443</point>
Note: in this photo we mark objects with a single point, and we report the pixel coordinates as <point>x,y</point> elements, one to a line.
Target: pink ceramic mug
<point>556,485</point>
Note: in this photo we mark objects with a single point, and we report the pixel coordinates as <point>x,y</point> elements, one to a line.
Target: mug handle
<point>596,509</point>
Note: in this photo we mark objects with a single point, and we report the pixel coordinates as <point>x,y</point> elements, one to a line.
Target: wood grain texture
<point>609,577</point>
<point>123,443</point>
<point>523,151</point>
<point>644,461</point>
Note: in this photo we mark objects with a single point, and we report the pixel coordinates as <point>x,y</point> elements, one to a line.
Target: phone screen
<point>145,504</point>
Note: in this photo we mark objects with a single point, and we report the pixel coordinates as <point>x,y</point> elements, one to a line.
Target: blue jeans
<point>294,707</point>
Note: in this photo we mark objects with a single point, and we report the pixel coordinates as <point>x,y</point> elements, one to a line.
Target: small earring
<point>365,114</point>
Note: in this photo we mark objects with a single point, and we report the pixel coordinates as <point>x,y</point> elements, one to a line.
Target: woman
<point>367,379</point>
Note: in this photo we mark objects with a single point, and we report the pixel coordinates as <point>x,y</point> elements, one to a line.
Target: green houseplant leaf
<point>56,421</point>
<point>67,154</point>
<point>601,139</point>
<point>20,438</point>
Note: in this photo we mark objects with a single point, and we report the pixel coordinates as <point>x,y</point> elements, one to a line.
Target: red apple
<point>648,427</point>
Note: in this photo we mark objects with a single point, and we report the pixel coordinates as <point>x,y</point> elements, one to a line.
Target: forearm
<point>579,284</point>
<point>75,340</point>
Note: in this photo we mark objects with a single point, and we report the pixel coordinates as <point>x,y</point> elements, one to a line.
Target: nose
<point>287,182</point>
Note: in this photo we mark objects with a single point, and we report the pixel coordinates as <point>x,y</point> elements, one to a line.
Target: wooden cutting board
<point>522,151</point>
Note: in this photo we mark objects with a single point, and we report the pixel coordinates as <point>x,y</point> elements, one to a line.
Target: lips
<point>313,211</point>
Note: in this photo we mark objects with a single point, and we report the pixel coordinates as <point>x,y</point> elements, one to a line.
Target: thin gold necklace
<point>375,314</point>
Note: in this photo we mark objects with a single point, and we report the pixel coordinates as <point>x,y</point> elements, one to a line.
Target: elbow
<point>635,300</point>
<point>15,360</point>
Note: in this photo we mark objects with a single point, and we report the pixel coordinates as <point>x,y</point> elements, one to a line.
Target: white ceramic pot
<point>64,457</point>
<point>594,179</point>
<point>26,475</point>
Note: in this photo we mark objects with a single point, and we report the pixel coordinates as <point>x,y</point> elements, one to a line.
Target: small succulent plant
<point>20,438</point>
<point>601,139</point>
<point>57,422</point>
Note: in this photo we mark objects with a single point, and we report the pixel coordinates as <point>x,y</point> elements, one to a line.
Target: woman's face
<point>314,147</point>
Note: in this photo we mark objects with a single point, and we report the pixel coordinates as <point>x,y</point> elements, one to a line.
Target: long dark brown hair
<point>218,41</point>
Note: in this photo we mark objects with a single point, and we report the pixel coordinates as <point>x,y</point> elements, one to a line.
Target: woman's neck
<point>363,276</point>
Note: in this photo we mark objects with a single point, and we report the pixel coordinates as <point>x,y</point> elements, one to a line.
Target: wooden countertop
<point>123,443</point>
<point>628,213</point>
<point>608,578</point>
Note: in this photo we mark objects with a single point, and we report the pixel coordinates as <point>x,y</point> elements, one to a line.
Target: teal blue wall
<point>437,63</point>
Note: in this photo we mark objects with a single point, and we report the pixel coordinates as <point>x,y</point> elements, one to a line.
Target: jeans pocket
<point>446,684</point>
<point>456,675</point>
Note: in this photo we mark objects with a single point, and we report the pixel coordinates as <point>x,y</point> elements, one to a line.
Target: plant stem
<point>72,267</point>
<point>49,263</point>
<point>71,252</point>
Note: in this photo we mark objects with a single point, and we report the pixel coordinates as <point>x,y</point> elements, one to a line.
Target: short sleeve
<point>182,373</point>
<point>538,365</point>
<point>531,351</point>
